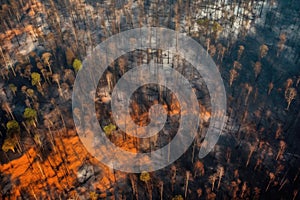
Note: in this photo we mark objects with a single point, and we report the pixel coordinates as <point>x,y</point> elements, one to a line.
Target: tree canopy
<point>77,65</point>
<point>109,129</point>
<point>12,127</point>
<point>9,144</point>
<point>30,116</point>
<point>145,176</point>
<point>35,78</point>
<point>177,197</point>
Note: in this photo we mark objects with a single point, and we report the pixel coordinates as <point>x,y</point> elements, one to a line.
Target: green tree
<point>13,128</point>
<point>35,78</point>
<point>9,144</point>
<point>77,65</point>
<point>177,197</point>
<point>145,177</point>
<point>109,129</point>
<point>30,115</point>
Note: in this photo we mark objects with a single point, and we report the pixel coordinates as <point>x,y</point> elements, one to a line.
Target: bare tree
<point>270,87</point>
<point>271,180</point>
<point>220,172</point>
<point>233,76</point>
<point>212,180</point>
<point>281,43</point>
<point>290,95</point>
<point>263,51</point>
<point>282,147</point>
<point>257,69</point>
<point>252,149</point>
<point>240,51</point>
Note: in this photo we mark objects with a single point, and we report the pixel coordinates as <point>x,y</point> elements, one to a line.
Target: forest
<point>255,45</point>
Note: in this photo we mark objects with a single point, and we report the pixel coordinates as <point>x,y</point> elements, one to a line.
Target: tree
<point>46,58</point>
<point>282,147</point>
<point>39,65</point>
<point>65,91</point>
<point>161,189</point>
<point>210,194</point>
<point>220,171</point>
<point>9,144</point>
<point>279,131</point>
<point>145,177</point>
<point>46,74</point>
<point>27,71</point>
<point>221,51</point>
<point>133,179</point>
<point>56,79</point>
<point>270,87</point>
<point>198,169</point>
<point>240,51</point>
<point>94,196</point>
<point>173,176</point>
<point>235,188</point>
<point>295,193</point>
<point>199,193</point>
<point>233,76</point>
<point>290,95</point>
<point>13,88</point>
<point>252,149</point>
<point>257,69</point>
<point>258,164</point>
<point>263,50</point>
<point>77,65</point>
<point>207,44</point>
<point>36,81</point>
<point>271,179</point>
<point>288,83</point>
<point>30,93</point>
<point>6,107</point>
<point>217,29</point>
<point>256,193</point>
<point>281,43</point>
<point>69,76</point>
<point>298,81</point>
<point>237,65</point>
<point>13,128</point>
<point>244,188</point>
<point>70,56</point>
<point>186,183</point>
<point>8,63</point>
<point>30,115</point>
<point>109,129</point>
<point>35,78</point>
<point>109,79</point>
<point>249,90</point>
<point>177,197</point>
<point>4,73</point>
<point>212,50</point>
<point>212,179</point>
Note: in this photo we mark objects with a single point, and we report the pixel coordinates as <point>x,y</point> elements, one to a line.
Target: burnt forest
<point>44,45</point>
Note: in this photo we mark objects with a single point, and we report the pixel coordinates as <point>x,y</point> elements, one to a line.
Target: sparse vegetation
<point>42,47</point>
